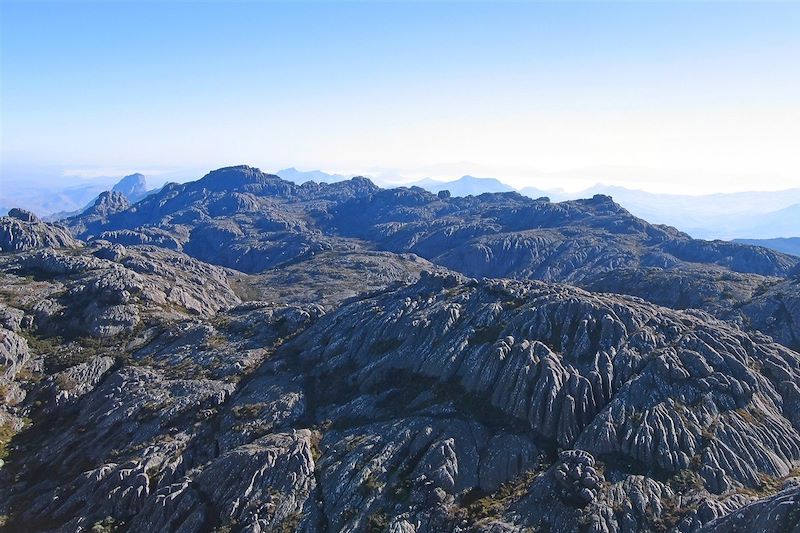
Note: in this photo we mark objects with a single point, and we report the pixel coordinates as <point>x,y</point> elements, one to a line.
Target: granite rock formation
<point>451,404</point>
<point>22,230</point>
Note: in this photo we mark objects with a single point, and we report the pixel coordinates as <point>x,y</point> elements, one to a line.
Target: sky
<point>682,97</point>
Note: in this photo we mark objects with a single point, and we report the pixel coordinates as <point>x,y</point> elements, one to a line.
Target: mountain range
<point>243,353</point>
<point>299,176</point>
<point>729,216</point>
<point>787,246</point>
<point>464,186</point>
<point>741,215</point>
<point>757,214</point>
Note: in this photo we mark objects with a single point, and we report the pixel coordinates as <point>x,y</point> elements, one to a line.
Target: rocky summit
<point>244,354</point>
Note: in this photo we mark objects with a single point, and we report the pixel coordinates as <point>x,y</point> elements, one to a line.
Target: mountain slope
<point>549,368</point>
<point>241,218</point>
<point>513,404</point>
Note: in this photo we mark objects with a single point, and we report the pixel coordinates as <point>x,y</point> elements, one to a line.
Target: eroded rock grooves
<point>244,354</point>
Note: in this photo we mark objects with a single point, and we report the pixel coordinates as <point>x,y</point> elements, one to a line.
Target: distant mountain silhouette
<point>302,176</point>
<point>464,186</point>
<point>757,214</point>
<point>782,223</point>
<point>534,192</point>
<point>790,245</point>
<point>47,200</point>
<point>132,187</point>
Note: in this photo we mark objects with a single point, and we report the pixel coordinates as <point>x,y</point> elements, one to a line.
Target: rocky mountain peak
<point>603,203</point>
<point>602,198</point>
<point>22,230</point>
<point>132,187</point>
<point>240,177</point>
<point>109,202</point>
<point>23,215</point>
<point>363,183</point>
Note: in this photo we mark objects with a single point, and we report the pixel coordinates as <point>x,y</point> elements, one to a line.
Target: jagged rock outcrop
<point>767,304</point>
<point>22,230</point>
<point>108,203</point>
<point>103,294</point>
<point>646,390</point>
<point>775,310</point>
<point>777,513</point>
<point>105,205</point>
<point>69,385</point>
<point>577,477</point>
<point>141,446</point>
<point>23,215</point>
<point>15,359</point>
<point>142,402</point>
<point>262,486</point>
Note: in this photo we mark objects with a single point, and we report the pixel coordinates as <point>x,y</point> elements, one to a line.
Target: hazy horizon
<point>684,98</point>
<point>577,181</point>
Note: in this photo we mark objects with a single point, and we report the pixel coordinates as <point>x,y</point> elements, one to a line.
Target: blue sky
<point>682,97</point>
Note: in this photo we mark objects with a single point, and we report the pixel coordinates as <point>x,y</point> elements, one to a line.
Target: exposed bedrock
<point>675,396</point>
<point>22,230</point>
<point>447,405</point>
